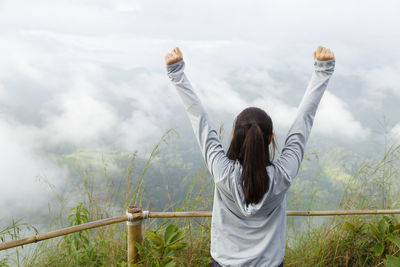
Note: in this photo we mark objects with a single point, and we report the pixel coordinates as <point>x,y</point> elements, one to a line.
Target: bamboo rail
<point>135,216</point>
<point>341,212</point>
<point>61,232</point>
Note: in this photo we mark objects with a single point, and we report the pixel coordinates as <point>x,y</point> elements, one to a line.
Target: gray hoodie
<point>255,234</point>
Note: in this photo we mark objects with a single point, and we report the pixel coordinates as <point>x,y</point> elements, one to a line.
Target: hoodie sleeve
<point>293,150</point>
<point>204,130</point>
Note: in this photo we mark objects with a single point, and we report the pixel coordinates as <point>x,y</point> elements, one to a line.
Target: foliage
<point>80,239</point>
<point>392,261</point>
<point>104,190</point>
<point>103,198</point>
<point>354,240</point>
<point>13,232</point>
<point>384,233</point>
<point>4,262</point>
<point>158,250</point>
<point>78,243</point>
<point>348,241</point>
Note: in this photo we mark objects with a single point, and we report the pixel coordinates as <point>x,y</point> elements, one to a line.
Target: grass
<point>336,241</point>
<point>354,240</point>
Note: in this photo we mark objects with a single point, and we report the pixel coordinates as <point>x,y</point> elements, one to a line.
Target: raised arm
<point>293,151</point>
<point>204,130</point>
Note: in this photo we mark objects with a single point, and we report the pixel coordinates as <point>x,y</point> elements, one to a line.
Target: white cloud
<point>82,119</point>
<point>128,6</point>
<point>141,128</point>
<point>383,81</point>
<point>221,97</point>
<point>16,58</point>
<point>394,133</point>
<point>91,73</point>
<point>334,119</point>
<point>25,172</point>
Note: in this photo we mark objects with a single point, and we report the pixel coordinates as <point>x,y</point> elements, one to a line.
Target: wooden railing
<point>134,217</point>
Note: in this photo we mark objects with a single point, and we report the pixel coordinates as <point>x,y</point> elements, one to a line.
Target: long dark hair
<point>250,146</point>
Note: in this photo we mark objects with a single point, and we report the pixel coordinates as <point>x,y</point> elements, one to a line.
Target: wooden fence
<point>134,217</point>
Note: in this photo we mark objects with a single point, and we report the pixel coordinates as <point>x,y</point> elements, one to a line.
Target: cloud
<point>138,129</point>
<point>26,173</point>
<point>394,133</point>
<point>90,74</point>
<point>334,119</point>
<point>81,120</point>
<point>219,95</point>
<point>383,81</point>
<point>279,95</point>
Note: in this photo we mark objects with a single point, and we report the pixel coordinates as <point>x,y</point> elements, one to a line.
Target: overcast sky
<point>90,75</point>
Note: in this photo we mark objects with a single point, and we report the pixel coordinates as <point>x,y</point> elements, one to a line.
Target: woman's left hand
<point>323,54</point>
<point>174,56</point>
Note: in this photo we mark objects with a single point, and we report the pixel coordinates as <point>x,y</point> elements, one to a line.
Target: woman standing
<point>248,226</point>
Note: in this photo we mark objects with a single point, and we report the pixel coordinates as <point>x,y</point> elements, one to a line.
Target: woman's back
<point>250,234</point>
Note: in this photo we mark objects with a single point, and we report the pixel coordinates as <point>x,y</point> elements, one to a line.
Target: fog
<point>90,76</point>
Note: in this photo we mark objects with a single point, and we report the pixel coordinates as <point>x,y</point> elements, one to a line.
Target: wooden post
<point>134,226</point>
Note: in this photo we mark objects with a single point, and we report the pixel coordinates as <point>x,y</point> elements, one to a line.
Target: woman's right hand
<point>174,56</point>
<point>323,54</point>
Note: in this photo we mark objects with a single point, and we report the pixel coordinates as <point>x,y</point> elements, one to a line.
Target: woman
<point>248,226</point>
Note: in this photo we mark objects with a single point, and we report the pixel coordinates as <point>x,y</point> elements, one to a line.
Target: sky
<point>89,75</point>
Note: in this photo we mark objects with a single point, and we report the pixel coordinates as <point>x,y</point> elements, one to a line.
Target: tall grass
<point>338,241</point>
<point>13,232</point>
<point>106,246</point>
<point>353,240</point>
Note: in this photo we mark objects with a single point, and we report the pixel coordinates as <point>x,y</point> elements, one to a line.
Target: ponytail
<point>253,133</point>
<point>254,179</point>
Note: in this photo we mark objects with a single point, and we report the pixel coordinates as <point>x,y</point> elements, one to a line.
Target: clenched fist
<point>174,56</point>
<point>323,54</point>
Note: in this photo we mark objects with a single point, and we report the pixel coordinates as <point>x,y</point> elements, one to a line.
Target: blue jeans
<point>216,264</point>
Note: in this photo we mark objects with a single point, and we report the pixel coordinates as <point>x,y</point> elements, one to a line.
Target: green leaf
<point>180,236</point>
<point>375,230</point>
<point>158,249</point>
<point>382,227</point>
<point>379,248</point>
<point>154,238</point>
<point>170,264</point>
<point>178,246</point>
<point>392,261</point>
<point>388,218</point>
<point>171,250</point>
<point>165,261</point>
<point>390,221</point>
<point>170,232</point>
<point>171,238</point>
<point>395,220</point>
<point>395,240</point>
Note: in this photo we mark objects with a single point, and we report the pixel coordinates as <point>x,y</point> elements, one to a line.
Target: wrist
<point>325,65</point>
<point>175,66</point>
